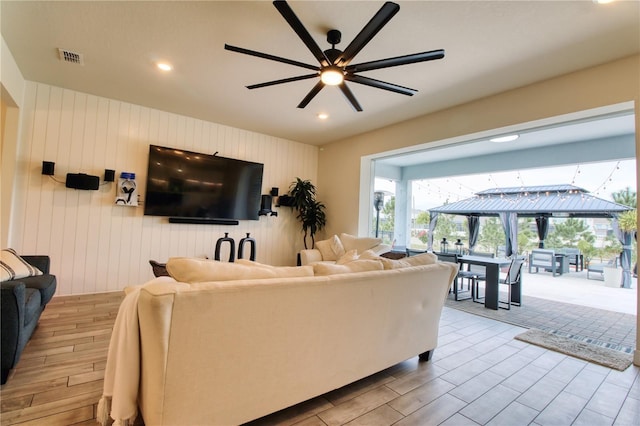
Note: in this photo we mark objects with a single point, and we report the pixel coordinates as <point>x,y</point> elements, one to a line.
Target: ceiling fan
<point>335,68</point>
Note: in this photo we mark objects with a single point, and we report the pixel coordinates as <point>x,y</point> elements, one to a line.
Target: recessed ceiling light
<point>323,116</point>
<point>508,138</point>
<point>164,66</point>
<point>603,1</point>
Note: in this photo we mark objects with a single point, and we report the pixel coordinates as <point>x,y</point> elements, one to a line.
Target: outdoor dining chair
<point>458,282</point>
<point>512,279</point>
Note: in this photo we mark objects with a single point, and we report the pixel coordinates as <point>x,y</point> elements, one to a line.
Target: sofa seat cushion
<point>32,306</point>
<point>45,283</point>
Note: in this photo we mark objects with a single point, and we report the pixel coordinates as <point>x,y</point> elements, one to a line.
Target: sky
<point>600,179</point>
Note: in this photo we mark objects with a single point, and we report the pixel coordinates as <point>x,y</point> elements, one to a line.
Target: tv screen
<point>187,184</point>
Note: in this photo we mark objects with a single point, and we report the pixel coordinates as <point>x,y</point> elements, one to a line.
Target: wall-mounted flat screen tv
<point>186,184</point>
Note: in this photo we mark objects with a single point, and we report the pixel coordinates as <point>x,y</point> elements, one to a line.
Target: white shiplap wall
<point>96,246</point>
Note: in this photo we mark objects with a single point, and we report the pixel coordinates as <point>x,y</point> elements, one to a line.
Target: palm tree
<point>626,197</point>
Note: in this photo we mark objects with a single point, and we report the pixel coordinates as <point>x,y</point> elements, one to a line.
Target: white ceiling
<point>491,46</point>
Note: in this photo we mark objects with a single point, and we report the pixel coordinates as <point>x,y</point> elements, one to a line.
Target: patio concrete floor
<point>575,288</point>
<point>569,305</point>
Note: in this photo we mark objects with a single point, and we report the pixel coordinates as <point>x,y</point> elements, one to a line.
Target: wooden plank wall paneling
<point>96,246</point>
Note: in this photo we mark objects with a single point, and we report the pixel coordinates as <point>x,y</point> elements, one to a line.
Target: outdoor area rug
<point>597,327</point>
<point>591,353</point>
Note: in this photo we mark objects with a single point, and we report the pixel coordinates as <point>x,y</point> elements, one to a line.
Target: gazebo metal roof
<point>532,201</point>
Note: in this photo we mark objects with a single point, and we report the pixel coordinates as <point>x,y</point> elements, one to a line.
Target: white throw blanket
<point>122,372</point>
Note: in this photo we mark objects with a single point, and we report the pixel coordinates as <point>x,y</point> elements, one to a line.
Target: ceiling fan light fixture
<point>332,76</point>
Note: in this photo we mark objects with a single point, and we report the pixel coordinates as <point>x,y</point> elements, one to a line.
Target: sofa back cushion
<point>12,266</point>
<point>331,248</point>
<point>192,270</point>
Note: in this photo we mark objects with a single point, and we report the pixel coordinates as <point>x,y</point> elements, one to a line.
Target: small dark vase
<point>232,249</point>
<point>252,243</point>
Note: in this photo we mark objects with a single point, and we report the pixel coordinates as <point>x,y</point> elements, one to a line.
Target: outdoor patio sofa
<point>548,260</point>
<point>599,267</point>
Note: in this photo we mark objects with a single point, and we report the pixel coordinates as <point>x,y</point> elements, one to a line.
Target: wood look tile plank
<point>435,412</point>
<point>360,387</point>
<point>51,373</point>
<point>50,408</point>
<point>70,417</point>
<point>86,377</point>
<point>295,414</point>
<point>421,396</point>
<point>93,355</point>
<point>358,406</point>
<point>66,392</point>
<point>16,403</point>
<point>11,389</point>
<point>381,416</point>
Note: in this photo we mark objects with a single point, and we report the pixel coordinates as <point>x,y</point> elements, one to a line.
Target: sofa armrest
<point>12,300</point>
<point>40,262</point>
<point>309,256</point>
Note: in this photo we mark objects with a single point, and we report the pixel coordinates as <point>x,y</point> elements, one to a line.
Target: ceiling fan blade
<point>284,80</point>
<point>398,60</point>
<point>317,88</point>
<point>270,57</point>
<point>379,20</point>
<point>349,95</point>
<point>295,23</point>
<point>380,84</point>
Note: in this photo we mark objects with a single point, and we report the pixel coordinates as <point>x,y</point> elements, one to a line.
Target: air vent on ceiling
<point>72,57</point>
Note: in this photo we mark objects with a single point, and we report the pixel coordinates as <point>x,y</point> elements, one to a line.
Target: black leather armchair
<point>21,304</point>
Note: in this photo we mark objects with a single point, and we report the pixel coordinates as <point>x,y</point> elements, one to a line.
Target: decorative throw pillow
<point>351,242</point>
<point>331,248</point>
<point>349,256</point>
<point>354,266</point>
<point>12,266</point>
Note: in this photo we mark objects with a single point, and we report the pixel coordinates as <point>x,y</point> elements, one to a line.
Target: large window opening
<point>593,150</point>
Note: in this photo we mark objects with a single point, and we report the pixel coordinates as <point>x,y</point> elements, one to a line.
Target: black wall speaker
<point>265,203</point>
<point>109,175</point>
<point>82,181</point>
<point>48,168</point>
<point>274,192</point>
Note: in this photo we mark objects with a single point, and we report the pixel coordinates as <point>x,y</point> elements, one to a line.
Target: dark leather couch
<point>22,301</point>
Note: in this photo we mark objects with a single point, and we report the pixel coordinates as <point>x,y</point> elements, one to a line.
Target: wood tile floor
<point>478,375</point>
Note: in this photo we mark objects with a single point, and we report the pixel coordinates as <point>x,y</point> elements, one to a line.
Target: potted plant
<point>310,211</point>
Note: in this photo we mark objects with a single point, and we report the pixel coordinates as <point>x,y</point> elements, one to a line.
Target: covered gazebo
<point>541,203</point>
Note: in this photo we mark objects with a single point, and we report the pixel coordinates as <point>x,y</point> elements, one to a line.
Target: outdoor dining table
<point>492,266</point>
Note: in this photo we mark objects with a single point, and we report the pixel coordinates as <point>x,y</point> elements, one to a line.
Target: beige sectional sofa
<point>227,352</point>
